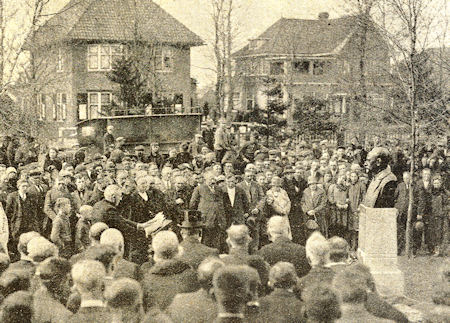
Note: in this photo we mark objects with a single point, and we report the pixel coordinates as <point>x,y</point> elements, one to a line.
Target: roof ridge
<point>82,14</point>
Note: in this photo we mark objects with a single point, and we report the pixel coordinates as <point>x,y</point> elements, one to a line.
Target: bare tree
<point>408,32</point>
<point>24,73</point>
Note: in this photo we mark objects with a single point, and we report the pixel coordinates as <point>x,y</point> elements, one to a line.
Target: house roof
<point>114,20</point>
<point>302,37</point>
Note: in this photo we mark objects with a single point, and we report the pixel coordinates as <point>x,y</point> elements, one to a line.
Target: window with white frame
<point>164,59</point>
<point>99,104</point>
<point>60,62</point>
<point>42,106</point>
<point>101,57</point>
<point>61,106</point>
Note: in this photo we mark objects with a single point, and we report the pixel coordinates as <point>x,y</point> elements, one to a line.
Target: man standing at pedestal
<point>381,192</point>
<point>377,243</point>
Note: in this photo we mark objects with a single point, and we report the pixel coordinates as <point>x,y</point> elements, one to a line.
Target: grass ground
<point>421,276</point>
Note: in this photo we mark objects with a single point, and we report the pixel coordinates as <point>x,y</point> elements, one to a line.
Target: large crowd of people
<point>250,233</point>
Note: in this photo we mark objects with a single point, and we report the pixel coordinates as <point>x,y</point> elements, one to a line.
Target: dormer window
<point>256,43</point>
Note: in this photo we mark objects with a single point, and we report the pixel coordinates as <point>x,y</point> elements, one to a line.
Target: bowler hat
<point>139,148</point>
<point>313,180</point>
<point>192,219</point>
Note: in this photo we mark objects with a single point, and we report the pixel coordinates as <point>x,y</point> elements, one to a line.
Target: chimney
<point>324,15</point>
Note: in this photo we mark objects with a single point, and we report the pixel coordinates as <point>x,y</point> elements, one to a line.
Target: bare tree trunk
<point>413,110</point>
<point>228,59</point>
<point>217,6</point>
<point>2,43</point>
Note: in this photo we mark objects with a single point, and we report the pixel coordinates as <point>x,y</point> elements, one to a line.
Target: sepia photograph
<point>224,161</point>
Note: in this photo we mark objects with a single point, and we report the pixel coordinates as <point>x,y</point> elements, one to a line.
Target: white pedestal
<point>377,248</point>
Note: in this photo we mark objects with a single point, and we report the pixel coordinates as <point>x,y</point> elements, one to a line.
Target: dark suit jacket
<point>254,193</point>
<point>235,213</point>
<point>166,279</point>
<point>196,307</point>
<point>424,199</point>
<point>24,266</point>
<point>387,197</point>
<point>91,315</point>
<point>105,211</point>
<point>125,268</point>
<point>95,196</point>
<point>139,210</point>
<point>38,197</point>
<point>211,205</point>
<point>195,252</point>
<point>282,249</point>
<point>315,276</point>
<point>176,210</point>
<point>48,309</point>
<point>21,215</point>
<point>281,306</point>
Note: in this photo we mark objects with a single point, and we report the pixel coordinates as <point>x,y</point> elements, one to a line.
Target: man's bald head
<point>238,235</point>
<point>165,245</point>
<point>114,238</point>
<point>40,249</point>
<point>24,239</point>
<point>96,231</point>
<point>113,194</point>
<point>318,252</point>
<point>88,276</point>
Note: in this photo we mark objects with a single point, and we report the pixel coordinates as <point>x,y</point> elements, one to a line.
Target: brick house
<point>78,46</point>
<point>311,58</point>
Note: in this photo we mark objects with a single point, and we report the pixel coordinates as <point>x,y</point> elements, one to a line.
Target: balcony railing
<point>156,111</point>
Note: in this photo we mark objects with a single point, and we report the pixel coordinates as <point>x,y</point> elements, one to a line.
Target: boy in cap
<point>82,228</point>
<point>61,233</point>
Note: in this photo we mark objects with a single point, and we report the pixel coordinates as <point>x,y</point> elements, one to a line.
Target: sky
<point>252,18</point>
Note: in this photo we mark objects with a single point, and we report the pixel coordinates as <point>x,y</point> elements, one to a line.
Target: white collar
<point>331,264</point>
<point>92,303</point>
<point>227,315</point>
<point>26,258</point>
